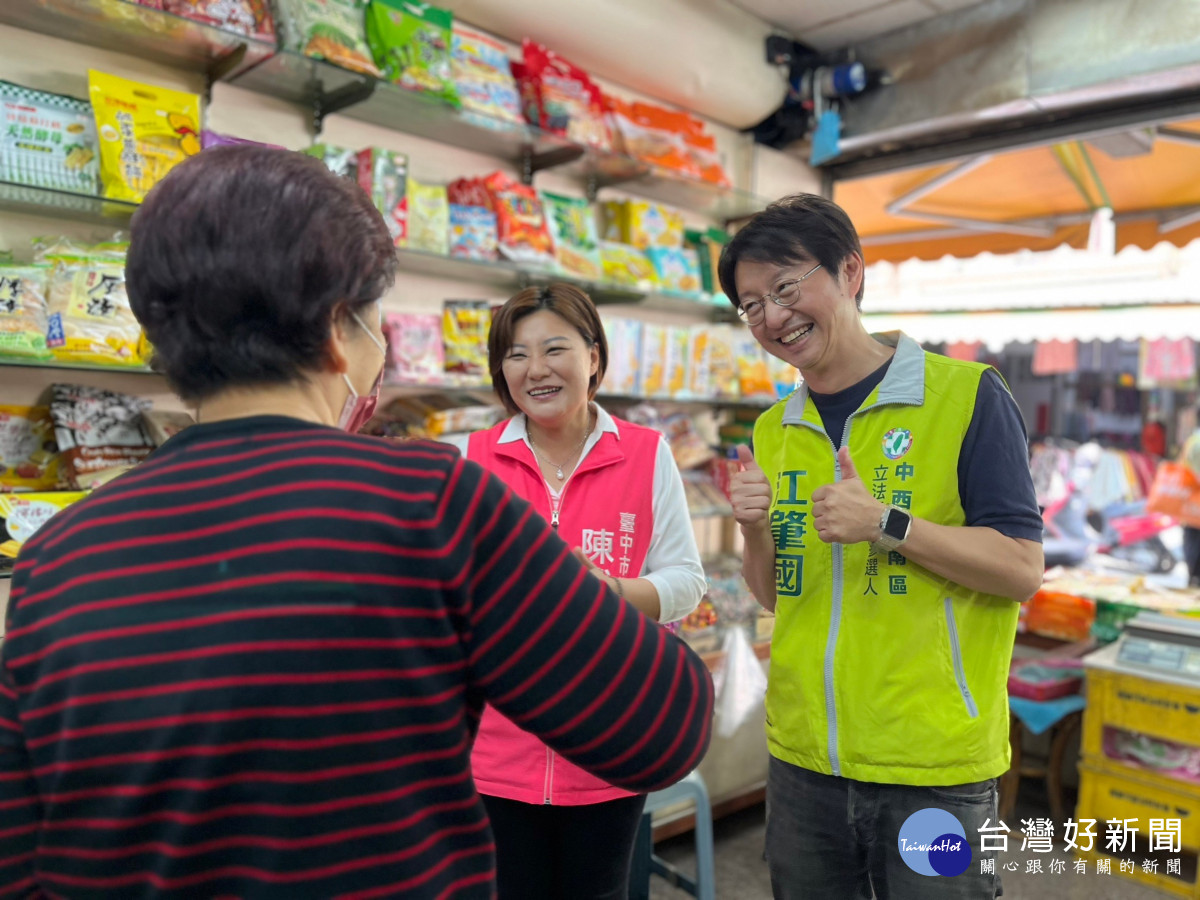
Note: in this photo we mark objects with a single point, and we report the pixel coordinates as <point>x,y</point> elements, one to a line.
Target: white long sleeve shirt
<point>673,561</point>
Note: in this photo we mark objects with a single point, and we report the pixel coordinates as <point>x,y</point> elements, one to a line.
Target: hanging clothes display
<point>1055,357</point>
<point>1166,361</point>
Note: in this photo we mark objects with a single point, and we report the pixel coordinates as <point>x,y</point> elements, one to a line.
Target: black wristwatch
<point>894,526</point>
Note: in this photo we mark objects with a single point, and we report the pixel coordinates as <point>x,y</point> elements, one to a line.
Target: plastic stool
<point>645,863</point>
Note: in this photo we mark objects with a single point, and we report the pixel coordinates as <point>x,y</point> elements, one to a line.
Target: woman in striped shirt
<point>254,666</point>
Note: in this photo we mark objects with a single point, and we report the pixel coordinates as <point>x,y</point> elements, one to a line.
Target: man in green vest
<point>891,523</point>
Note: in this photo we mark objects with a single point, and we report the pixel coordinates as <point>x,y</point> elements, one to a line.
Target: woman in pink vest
<point>612,490</point>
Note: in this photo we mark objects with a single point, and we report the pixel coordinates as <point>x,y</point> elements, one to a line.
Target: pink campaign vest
<point>607,509</point>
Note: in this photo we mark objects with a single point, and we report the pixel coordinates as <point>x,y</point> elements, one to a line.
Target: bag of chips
<point>483,79</point>
<point>410,41</point>
<point>145,131</point>
<point>428,218</point>
<point>572,224</point>
<point>28,452</point>
<point>754,376</point>
<point>465,325</point>
<point>22,515</point>
<point>384,175</point>
<point>249,17</point>
<point>473,233</point>
<point>678,270</point>
<point>23,311</point>
<point>415,354</point>
<point>99,433</point>
<point>332,30</point>
<point>627,266</point>
<point>521,228</point>
<point>560,98</point>
<point>642,224</point>
<point>47,140</point>
<point>469,192</point>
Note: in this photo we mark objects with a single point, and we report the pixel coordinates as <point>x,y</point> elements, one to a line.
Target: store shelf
<point>41,201</point>
<point>74,367</point>
<point>126,27</point>
<point>327,89</point>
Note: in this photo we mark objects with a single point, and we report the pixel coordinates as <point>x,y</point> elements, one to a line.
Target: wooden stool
<point>1061,733</point>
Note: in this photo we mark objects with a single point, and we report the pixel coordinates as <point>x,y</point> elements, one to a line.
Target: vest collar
<point>904,383</point>
<point>600,449</point>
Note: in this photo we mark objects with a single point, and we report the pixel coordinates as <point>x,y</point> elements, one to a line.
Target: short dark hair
<point>563,300</point>
<point>794,226</point>
<point>239,260</point>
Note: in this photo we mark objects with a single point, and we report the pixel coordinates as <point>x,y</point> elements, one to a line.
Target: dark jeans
<point>564,852</point>
<point>1191,552</point>
<point>835,838</point>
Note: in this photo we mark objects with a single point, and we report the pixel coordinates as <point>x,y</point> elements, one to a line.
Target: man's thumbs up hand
<point>845,512</point>
<point>749,491</point>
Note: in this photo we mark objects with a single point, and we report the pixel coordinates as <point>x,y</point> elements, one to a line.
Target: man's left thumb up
<point>847,464</point>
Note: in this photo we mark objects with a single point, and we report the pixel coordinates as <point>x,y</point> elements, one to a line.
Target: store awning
<point>996,329</point>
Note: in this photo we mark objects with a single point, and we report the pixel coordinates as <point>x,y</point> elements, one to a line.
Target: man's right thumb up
<point>746,458</point>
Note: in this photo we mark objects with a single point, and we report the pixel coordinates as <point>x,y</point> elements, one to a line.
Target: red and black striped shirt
<point>253,667</point>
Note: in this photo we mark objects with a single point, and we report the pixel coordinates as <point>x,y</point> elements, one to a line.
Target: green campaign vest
<point>881,670</point>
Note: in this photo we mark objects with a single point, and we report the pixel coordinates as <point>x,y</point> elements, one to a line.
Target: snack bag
<point>624,356</point>
<point>700,374</point>
<point>722,364</point>
<point>469,192</point>
<point>23,312</point>
<point>99,433</point>
<point>47,140</point>
<point>679,340</point>
<point>784,376</point>
<point>654,360</point>
<point>339,160</point>
<point>652,134</point>
<point>90,319</point>
<point>708,245</point>
<point>465,325</point>
<point>384,175</point>
<point>642,224</point>
<point>521,228</point>
<point>483,79</point>
<point>415,353</point>
<point>145,131</point>
<point>161,425</point>
<point>678,270</point>
<point>428,218</point>
<point>627,266</point>
<point>332,30</point>
<point>249,17</point>
<point>28,453</point>
<point>560,98</point>
<point>473,233</point>
<point>21,515</point>
<point>573,229</point>
<point>754,376</point>
<point>410,41</point>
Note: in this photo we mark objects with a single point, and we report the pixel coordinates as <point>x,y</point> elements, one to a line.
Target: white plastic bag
<point>739,682</point>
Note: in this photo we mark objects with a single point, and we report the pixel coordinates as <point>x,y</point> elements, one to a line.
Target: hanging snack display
<point>483,79</point>
<point>47,140</point>
<point>384,175</point>
<point>99,433</point>
<point>28,451</point>
<point>145,131</point>
<point>521,228</point>
<point>415,354</point>
<point>572,224</point>
<point>332,30</point>
<point>21,515</point>
<point>411,45</point>
<point>249,17</point>
<point>465,325</point>
<point>23,314</point>
<point>560,98</point>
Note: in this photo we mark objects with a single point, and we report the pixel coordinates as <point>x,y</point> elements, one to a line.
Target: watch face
<point>896,526</point>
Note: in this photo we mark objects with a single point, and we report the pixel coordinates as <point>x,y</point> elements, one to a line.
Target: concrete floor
<point>742,874</point>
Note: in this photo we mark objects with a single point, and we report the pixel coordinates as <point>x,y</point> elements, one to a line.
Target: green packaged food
<point>23,313</point>
<point>327,29</point>
<point>47,140</point>
<point>411,42</point>
<point>572,222</point>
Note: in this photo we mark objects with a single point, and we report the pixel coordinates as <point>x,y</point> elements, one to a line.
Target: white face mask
<point>357,410</point>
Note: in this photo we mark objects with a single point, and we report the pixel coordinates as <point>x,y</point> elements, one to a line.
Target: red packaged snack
<point>560,98</point>
<point>469,192</point>
<point>249,17</point>
<point>521,227</point>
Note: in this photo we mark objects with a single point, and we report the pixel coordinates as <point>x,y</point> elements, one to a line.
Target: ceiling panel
<point>854,29</point>
<point>797,18</point>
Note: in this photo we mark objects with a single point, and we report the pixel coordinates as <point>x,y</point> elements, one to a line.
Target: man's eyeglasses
<point>753,312</point>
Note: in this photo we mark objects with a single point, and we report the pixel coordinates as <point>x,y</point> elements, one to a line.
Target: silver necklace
<point>558,468</point>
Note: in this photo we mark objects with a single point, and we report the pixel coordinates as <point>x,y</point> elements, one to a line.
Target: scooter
<point>1126,531</point>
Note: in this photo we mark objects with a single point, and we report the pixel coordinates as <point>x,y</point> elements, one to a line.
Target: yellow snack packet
<point>29,458</point>
<point>144,130</point>
<point>21,515</point>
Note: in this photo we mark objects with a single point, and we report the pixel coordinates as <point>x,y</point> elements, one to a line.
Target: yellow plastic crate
<point>1138,704</point>
<point>1111,791</point>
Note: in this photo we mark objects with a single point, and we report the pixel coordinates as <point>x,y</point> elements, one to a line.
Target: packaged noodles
<point>410,41</point>
<point>145,131</point>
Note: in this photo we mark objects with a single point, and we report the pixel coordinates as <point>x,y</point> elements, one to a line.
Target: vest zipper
<point>549,777</point>
<point>960,672</point>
